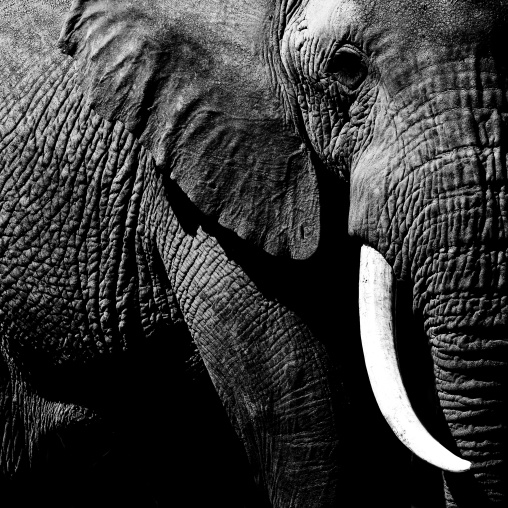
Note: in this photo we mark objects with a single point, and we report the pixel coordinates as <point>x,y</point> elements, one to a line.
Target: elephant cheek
<point>374,176</point>
<point>365,209</point>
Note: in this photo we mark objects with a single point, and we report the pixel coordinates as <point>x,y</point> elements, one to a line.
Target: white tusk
<point>377,289</point>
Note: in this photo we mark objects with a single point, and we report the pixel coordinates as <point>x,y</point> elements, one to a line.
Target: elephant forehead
<point>322,23</point>
<point>332,16</point>
<point>441,21</point>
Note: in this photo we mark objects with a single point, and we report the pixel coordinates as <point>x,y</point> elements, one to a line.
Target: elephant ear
<point>196,84</point>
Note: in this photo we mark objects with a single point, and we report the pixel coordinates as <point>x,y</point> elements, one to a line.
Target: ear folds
<point>201,97</point>
<point>117,58</point>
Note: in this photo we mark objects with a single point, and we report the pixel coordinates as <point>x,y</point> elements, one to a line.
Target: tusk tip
<point>459,466</point>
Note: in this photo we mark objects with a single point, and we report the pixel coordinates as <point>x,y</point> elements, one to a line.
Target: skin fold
<point>184,190</point>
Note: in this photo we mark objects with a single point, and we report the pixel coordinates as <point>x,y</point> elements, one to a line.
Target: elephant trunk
<point>467,330</point>
<point>458,269</point>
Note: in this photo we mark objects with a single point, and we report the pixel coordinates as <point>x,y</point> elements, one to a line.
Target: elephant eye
<point>348,65</point>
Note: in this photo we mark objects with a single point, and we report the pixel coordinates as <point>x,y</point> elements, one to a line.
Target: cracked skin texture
<point>79,263</point>
<point>142,182</point>
<point>79,258</point>
<point>96,267</point>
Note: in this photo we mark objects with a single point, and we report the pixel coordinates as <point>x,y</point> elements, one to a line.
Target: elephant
<point>230,194</point>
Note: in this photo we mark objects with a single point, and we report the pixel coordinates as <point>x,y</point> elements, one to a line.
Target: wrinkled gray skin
<point>169,166</point>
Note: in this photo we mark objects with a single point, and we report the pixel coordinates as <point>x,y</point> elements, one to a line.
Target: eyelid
<point>346,62</point>
<point>343,49</point>
<point>349,48</point>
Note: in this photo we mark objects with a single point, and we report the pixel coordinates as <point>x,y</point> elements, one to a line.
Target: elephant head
<point>408,101</point>
<point>191,133</point>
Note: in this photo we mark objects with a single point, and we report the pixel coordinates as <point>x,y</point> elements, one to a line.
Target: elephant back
<point>29,33</point>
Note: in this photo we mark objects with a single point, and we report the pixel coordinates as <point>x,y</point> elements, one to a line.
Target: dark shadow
<point>417,370</point>
<point>323,291</point>
<point>162,437</point>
